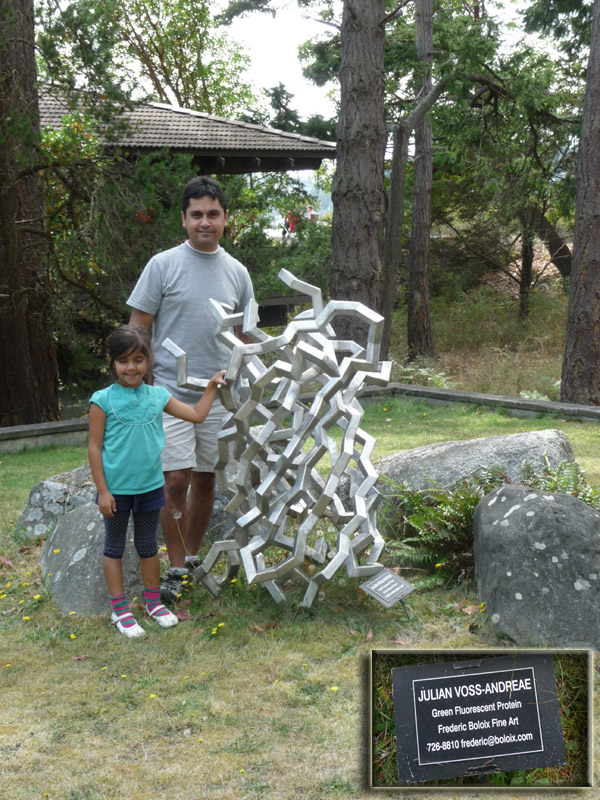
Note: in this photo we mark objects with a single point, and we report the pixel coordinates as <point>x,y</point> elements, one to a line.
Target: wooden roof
<point>216,144</point>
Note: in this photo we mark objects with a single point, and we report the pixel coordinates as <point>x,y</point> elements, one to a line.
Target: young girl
<point>125,442</point>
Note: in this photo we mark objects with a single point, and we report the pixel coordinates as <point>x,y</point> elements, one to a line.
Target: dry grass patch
<point>273,706</point>
<point>494,370</point>
<point>126,725</point>
<point>276,714</point>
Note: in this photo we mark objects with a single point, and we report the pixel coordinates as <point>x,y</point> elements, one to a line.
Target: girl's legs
<point>145,526</point>
<point>149,569</point>
<point>112,565</point>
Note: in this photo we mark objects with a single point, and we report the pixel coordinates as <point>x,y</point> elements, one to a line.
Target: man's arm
<point>244,337</point>
<point>141,318</point>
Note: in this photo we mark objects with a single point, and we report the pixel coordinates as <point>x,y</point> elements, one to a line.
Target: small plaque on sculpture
<point>387,587</point>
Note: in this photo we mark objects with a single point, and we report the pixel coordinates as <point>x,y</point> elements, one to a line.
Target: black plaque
<point>474,717</point>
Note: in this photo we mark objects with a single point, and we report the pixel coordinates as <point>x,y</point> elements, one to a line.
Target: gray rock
<point>53,497</point>
<point>445,463</point>
<point>71,563</point>
<point>537,566</point>
<point>50,499</point>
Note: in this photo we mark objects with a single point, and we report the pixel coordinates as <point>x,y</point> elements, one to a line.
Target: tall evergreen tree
<point>420,334</point>
<point>358,191</point>
<point>581,360</point>
<point>29,385</point>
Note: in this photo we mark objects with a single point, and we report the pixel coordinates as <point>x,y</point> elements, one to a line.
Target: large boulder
<point>537,566</point>
<point>71,563</point>
<point>445,463</point>
<point>53,497</point>
<point>63,509</point>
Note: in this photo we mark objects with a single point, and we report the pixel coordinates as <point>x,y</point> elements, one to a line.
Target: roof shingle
<point>215,143</point>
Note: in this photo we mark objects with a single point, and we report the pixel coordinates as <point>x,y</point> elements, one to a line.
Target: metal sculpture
<point>278,495</point>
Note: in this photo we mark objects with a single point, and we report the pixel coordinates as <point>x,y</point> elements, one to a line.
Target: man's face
<point>204,221</point>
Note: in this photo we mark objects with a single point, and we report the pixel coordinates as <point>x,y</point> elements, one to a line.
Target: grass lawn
<point>243,699</point>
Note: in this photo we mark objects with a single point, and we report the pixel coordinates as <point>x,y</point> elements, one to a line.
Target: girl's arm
<point>198,412</point>
<point>97,422</point>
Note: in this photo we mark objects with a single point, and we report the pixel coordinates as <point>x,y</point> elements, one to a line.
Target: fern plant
<point>421,372</point>
<point>567,478</point>
<point>431,531</point>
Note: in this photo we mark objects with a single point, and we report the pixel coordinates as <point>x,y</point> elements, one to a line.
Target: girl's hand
<point>218,379</point>
<point>106,504</point>
<point>197,413</point>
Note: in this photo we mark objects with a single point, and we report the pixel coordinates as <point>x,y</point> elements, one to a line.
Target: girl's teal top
<point>133,437</point>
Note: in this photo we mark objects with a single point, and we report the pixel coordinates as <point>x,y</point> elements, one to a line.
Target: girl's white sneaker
<point>167,620</point>
<point>133,632</point>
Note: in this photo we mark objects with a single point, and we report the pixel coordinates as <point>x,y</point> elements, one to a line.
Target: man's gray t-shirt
<point>176,287</point>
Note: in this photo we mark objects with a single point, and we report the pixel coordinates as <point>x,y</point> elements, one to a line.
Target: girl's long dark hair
<point>124,340</point>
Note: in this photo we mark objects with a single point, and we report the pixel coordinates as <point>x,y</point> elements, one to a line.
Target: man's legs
<point>199,509</point>
<point>174,513</point>
<point>184,518</point>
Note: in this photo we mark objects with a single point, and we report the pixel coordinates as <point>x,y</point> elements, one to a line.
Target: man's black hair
<point>200,187</point>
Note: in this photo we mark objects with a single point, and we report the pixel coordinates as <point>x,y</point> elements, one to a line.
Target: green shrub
<point>567,478</point>
<point>431,530</point>
<point>421,371</point>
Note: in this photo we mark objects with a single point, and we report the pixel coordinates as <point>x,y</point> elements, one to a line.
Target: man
<point>311,214</point>
<point>172,296</point>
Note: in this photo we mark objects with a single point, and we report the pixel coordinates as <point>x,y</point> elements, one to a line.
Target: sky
<point>272,45</point>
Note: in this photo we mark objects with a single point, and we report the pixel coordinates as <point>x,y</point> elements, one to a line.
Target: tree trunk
<point>392,244</point>
<point>581,359</point>
<point>420,334</point>
<point>558,249</point>
<point>358,190</point>
<point>29,385</point>
<point>526,275</point>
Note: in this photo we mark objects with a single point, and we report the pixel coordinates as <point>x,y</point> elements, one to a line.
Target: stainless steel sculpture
<point>278,496</point>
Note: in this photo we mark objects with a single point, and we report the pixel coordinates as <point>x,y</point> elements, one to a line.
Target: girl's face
<point>131,368</point>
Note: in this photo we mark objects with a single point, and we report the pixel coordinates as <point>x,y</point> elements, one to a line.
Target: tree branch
<point>334,25</point>
<point>498,88</point>
<point>35,232</point>
<point>427,102</point>
<point>95,296</point>
<point>395,13</point>
<point>42,165</point>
